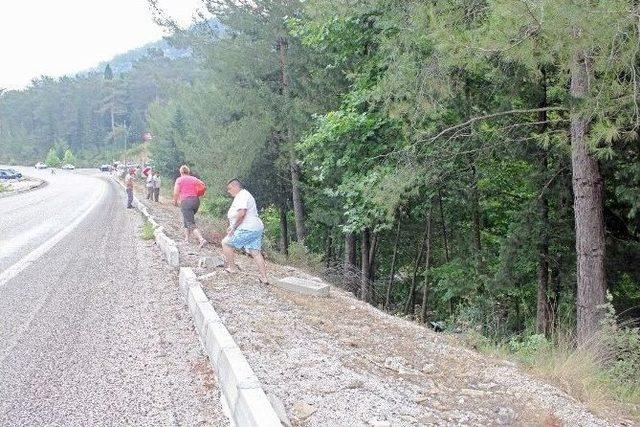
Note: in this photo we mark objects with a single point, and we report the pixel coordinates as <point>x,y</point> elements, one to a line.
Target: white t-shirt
<point>251,221</point>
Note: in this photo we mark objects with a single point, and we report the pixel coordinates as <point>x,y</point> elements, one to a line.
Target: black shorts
<point>189,207</point>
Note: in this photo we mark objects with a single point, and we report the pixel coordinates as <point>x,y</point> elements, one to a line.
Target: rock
<point>303,410</point>
<point>210,262</point>
<point>355,384</point>
<point>378,423</point>
<point>278,406</point>
<point>421,399</point>
<point>429,368</point>
<point>472,392</point>
<point>398,364</point>
<point>394,363</point>
<point>507,413</point>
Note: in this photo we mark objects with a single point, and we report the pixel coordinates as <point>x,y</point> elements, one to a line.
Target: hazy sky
<point>58,37</point>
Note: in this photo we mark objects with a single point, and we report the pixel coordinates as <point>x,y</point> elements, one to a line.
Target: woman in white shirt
<point>245,230</point>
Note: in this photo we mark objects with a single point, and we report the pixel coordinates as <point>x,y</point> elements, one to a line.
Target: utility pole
<point>124,125</point>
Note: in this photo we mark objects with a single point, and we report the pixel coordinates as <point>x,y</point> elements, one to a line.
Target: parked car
<point>40,165</point>
<point>15,172</point>
<point>105,168</point>
<point>5,174</point>
<point>68,167</point>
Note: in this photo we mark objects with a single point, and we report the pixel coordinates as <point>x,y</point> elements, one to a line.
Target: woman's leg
<point>201,240</point>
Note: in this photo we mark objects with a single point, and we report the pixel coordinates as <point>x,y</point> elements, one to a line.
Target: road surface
<point>92,331</point>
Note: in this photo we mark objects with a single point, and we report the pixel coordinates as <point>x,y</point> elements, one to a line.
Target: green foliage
<point>52,159</point>
<point>69,158</point>
<point>146,231</point>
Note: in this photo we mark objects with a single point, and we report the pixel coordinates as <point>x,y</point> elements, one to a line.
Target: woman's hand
<point>230,231</point>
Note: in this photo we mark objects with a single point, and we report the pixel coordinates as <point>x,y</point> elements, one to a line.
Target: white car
<point>40,165</point>
<point>68,167</point>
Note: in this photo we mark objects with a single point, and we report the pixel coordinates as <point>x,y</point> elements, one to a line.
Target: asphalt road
<point>92,331</point>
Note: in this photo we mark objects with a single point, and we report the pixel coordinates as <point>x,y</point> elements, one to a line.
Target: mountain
<point>123,62</point>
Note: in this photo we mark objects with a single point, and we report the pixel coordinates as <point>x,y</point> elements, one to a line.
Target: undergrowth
<point>147,229</point>
<point>602,373</point>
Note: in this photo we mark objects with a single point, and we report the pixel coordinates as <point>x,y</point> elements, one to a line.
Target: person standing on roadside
<point>156,186</point>
<point>245,230</point>
<point>128,183</point>
<point>150,186</point>
<point>186,193</point>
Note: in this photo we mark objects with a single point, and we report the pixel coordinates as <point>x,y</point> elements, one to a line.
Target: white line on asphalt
<point>25,262</point>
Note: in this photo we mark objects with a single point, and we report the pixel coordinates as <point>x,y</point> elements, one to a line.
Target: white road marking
<point>25,262</point>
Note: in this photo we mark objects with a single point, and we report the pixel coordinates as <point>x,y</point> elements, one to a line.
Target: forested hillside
<point>469,163</point>
<point>91,113</point>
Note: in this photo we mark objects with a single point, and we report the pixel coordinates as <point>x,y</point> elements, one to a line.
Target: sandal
<point>263,282</point>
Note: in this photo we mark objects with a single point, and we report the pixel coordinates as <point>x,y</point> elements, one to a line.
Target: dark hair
<point>236,181</point>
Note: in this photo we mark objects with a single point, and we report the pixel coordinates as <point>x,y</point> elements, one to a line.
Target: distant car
<point>5,174</point>
<point>105,168</point>
<point>68,167</point>
<point>15,172</point>
<point>40,165</point>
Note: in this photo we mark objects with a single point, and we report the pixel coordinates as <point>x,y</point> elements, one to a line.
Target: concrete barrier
<point>241,390</point>
<point>304,286</point>
<point>168,248</point>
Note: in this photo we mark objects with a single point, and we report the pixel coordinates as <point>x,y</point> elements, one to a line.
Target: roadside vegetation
<point>468,165</point>
<point>146,231</point>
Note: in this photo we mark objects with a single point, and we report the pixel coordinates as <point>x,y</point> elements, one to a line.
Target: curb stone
<point>167,246</point>
<point>241,390</point>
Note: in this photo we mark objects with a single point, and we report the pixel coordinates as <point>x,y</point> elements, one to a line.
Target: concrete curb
<point>167,246</point>
<point>241,390</point>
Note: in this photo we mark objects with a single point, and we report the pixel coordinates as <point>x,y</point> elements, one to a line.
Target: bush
<point>147,230</point>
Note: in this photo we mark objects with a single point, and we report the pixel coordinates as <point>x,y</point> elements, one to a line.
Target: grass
<point>146,232</point>
<point>4,188</point>
<point>591,373</point>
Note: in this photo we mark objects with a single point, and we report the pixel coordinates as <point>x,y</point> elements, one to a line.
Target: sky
<point>63,37</point>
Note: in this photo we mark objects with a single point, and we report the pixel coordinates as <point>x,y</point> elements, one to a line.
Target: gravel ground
<point>340,362</point>
<point>94,333</point>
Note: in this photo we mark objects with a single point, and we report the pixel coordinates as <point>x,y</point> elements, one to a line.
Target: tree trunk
<point>445,239</point>
<point>411,299</point>
<point>349,261</point>
<point>588,209</point>
<point>365,275</point>
<point>393,266</point>
<point>543,314</point>
<point>425,289</point>
<point>284,231</point>
<point>475,206</point>
<point>328,255</point>
<point>294,167</point>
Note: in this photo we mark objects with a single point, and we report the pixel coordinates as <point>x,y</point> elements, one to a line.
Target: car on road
<point>68,167</point>
<point>41,165</point>
<point>15,172</point>
<point>105,168</point>
<point>7,174</point>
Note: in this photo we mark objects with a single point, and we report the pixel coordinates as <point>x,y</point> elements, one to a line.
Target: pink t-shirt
<point>186,186</point>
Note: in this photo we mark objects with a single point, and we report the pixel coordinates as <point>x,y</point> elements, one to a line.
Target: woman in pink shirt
<point>185,192</point>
